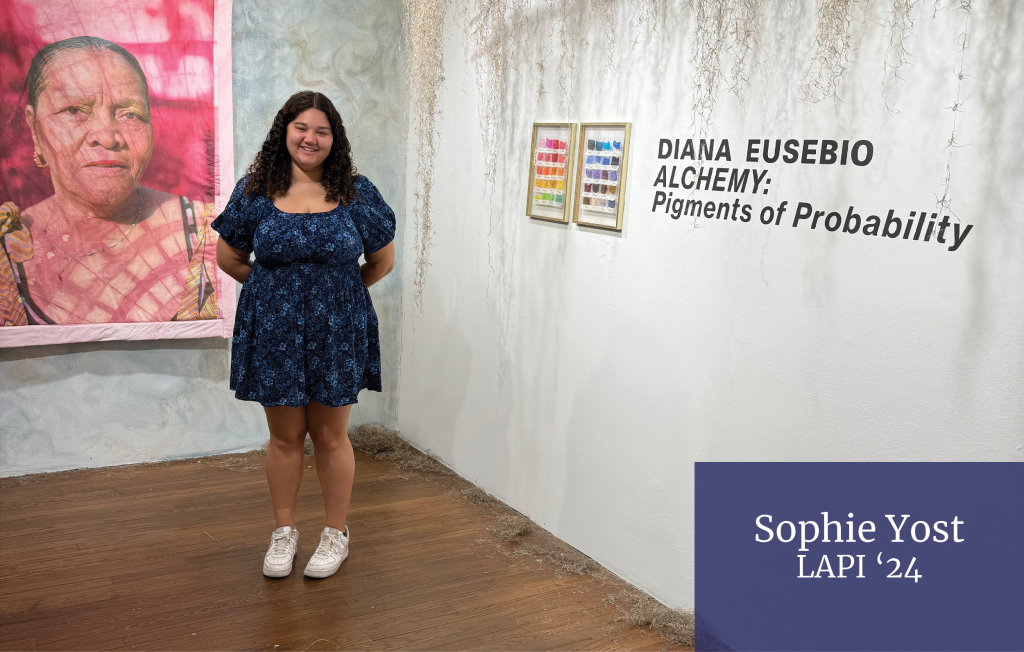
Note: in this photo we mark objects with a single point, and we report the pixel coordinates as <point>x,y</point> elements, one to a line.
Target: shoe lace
<point>329,543</point>
<point>280,544</point>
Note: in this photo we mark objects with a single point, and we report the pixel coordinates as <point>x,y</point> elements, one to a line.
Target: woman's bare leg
<point>284,460</point>
<point>335,462</point>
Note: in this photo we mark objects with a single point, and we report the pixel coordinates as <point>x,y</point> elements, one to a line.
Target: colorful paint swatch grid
<point>549,176</point>
<point>601,172</point>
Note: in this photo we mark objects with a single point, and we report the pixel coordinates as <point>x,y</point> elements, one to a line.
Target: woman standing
<point>305,340</point>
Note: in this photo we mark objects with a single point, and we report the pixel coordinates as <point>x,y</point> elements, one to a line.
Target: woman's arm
<point>234,262</point>
<point>378,264</point>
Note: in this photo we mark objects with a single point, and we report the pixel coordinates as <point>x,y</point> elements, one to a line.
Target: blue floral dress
<point>305,328</point>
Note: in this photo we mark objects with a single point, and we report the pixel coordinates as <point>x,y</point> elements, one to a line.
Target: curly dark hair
<point>270,174</point>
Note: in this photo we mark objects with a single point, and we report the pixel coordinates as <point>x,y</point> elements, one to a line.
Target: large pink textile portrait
<point>115,154</point>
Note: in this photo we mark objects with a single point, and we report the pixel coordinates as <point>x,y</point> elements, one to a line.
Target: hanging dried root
<point>742,41</point>
<point>831,51</point>
<point>423,25</point>
<point>572,30</point>
<point>945,202</point>
<point>497,29</point>
<point>901,28</point>
<point>721,26</point>
<point>709,39</point>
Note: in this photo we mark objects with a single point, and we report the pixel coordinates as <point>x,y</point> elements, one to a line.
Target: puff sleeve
<point>239,219</point>
<point>374,218</point>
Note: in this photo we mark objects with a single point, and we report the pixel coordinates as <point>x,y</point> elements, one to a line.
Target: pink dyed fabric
<point>109,237</point>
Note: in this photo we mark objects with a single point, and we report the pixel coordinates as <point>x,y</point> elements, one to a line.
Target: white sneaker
<point>333,550</point>
<point>284,543</point>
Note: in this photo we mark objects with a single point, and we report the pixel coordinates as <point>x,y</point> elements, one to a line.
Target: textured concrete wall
<point>85,405</point>
<point>349,51</point>
<point>101,404</point>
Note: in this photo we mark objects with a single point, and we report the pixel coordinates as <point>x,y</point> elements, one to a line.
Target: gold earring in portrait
<point>40,163</point>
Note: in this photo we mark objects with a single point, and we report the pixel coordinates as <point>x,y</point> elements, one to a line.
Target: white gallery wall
<point>578,374</point>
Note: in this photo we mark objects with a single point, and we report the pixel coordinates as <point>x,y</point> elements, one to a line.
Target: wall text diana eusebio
<point>704,166</point>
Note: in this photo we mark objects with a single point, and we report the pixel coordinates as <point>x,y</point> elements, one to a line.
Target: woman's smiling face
<point>92,126</point>
<point>309,139</point>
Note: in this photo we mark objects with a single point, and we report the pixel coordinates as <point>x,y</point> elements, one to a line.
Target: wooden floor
<point>168,557</point>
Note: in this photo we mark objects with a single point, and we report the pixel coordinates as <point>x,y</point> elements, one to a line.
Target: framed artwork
<point>601,174</point>
<point>551,166</point>
<point>105,225</point>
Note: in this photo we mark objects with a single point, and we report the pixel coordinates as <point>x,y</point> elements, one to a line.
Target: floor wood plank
<point>168,556</point>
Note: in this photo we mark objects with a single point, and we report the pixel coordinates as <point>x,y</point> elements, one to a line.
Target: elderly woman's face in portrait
<point>91,126</point>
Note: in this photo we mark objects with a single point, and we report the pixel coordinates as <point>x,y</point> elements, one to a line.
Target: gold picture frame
<point>551,171</point>
<point>599,191</point>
